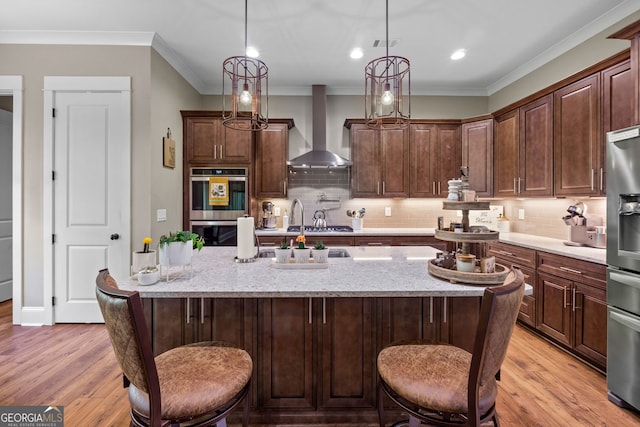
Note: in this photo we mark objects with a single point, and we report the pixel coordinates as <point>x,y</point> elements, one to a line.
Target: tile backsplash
<point>329,190</point>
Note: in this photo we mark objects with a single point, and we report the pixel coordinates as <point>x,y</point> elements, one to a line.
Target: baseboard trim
<point>32,316</point>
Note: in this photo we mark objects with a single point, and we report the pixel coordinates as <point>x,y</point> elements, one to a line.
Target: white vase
<point>321,256</point>
<point>140,260</point>
<point>283,256</point>
<point>302,255</point>
<point>176,253</point>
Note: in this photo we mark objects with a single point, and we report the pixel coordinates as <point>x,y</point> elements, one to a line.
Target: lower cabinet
<point>572,306</point>
<point>314,358</point>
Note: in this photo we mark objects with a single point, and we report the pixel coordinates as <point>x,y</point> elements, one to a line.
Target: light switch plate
<point>387,211</point>
<point>161,215</point>
<point>276,211</point>
<point>520,213</point>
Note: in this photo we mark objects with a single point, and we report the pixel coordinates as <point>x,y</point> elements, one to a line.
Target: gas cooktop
<point>331,229</point>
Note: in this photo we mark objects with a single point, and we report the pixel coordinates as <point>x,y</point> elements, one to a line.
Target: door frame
<point>54,84</point>
<point>12,86</point>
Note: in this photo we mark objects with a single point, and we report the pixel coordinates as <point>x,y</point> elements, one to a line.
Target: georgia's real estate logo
<point>31,416</point>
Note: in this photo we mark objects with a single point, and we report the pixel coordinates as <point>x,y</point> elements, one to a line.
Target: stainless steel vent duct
<point>319,157</point>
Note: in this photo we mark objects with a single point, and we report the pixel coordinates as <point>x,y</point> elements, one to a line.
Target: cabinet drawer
<point>374,241</point>
<point>273,240</point>
<point>515,255</point>
<point>419,241</point>
<point>573,269</point>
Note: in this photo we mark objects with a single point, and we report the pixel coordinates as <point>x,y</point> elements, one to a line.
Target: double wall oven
<point>623,272</point>
<point>217,198</point>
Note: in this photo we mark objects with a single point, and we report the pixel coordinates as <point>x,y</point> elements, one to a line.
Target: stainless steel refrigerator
<point>623,272</point>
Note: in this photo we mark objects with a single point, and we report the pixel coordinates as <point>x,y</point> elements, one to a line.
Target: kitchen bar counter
<point>394,271</point>
<point>363,232</point>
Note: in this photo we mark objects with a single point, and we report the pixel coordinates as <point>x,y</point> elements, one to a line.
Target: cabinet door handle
<point>601,179</point>
<point>444,319</point>
<point>564,298</point>
<point>570,270</point>
<point>593,172</point>
<point>519,185</point>
<point>310,312</point>
<point>574,299</point>
<point>514,185</point>
<point>220,151</point>
<point>383,188</point>
<point>324,311</point>
<point>431,310</point>
<point>433,186</point>
<point>438,187</point>
<point>505,253</point>
<point>188,310</point>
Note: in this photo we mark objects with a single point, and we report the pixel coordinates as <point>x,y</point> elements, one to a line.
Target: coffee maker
<point>268,218</point>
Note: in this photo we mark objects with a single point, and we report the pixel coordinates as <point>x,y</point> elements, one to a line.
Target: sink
<point>333,253</point>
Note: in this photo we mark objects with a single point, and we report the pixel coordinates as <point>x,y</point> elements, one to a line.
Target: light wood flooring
<point>74,366</point>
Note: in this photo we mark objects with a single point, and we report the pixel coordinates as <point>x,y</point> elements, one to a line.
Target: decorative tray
<point>311,265</point>
<point>476,278</point>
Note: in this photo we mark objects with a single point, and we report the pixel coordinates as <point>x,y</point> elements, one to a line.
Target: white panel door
<point>91,198</point>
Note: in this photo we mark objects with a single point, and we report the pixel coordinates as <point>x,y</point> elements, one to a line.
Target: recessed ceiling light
<point>252,52</point>
<point>356,53</point>
<point>458,54</point>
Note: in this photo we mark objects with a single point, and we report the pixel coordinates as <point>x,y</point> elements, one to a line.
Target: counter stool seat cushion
<point>433,376</point>
<point>194,379</point>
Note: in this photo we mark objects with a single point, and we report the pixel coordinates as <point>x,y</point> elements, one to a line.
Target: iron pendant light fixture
<point>244,82</point>
<point>388,90</point>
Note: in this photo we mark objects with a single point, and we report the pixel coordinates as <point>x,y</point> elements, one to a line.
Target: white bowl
<point>146,279</point>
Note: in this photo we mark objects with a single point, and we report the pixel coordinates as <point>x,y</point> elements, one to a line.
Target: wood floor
<point>74,366</point>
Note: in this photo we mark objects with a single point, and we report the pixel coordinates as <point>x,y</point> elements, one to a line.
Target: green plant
<point>319,245</point>
<point>184,237</point>
<point>284,245</point>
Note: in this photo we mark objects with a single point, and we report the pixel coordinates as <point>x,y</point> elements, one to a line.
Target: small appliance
<point>584,230</point>
<point>268,218</point>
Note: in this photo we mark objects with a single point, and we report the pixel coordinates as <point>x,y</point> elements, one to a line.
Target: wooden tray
<point>311,265</point>
<point>455,276</point>
<point>465,206</point>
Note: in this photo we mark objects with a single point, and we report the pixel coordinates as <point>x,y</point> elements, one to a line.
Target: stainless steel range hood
<point>319,157</point>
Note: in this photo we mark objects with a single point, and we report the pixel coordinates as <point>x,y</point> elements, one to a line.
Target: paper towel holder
<point>256,256</point>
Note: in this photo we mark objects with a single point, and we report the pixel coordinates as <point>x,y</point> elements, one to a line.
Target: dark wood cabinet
<point>578,162</point>
<point>525,259</point>
<point>272,152</point>
<point>380,162</point>
<point>435,158</point>
<point>208,141</point>
<point>572,305</point>
<point>477,155</point>
<point>304,339</point>
<point>524,150</point>
<point>383,240</point>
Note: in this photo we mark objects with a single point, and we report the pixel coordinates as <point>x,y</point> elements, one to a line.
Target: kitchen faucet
<point>295,202</point>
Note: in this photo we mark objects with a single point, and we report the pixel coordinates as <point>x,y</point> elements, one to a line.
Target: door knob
<point>115,236</point>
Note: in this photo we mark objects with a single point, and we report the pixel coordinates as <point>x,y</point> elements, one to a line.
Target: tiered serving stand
<point>466,237</point>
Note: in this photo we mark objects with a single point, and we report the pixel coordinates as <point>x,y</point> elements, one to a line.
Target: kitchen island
<point>314,335</point>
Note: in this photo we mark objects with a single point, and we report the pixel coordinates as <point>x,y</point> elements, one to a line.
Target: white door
<point>6,223</point>
<point>91,211</point>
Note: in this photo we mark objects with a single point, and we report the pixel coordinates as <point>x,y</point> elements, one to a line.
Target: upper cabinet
<point>579,165</point>
<point>208,141</point>
<point>272,152</point>
<point>477,155</point>
<point>380,162</point>
<point>434,151</point>
<point>524,150</point>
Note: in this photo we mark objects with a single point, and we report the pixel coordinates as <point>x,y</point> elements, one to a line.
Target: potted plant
<point>143,259</point>
<point>283,253</point>
<point>177,248</point>
<point>320,252</point>
<point>301,253</point>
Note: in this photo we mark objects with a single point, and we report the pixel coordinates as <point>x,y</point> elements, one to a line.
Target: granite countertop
<point>555,246</point>
<point>392,271</point>
<point>363,232</point>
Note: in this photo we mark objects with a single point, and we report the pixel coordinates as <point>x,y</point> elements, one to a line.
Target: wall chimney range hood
<point>319,157</point>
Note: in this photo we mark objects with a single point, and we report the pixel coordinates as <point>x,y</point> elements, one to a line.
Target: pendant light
<point>387,90</point>
<point>244,82</point>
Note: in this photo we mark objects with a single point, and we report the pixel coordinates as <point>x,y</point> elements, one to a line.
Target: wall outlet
<point>387,211</point>
<point>161,215</point>
<point>520,213</point>
<point>276,211</point>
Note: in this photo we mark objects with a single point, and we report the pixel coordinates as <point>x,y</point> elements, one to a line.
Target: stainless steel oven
<point>217,198</point>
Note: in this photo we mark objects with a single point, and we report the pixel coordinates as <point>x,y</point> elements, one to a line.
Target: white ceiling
<point>305,42</point>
